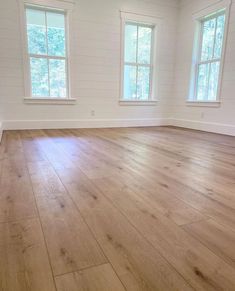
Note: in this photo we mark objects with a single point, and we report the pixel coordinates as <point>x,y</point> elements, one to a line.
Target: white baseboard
<point>204,126</point>
<point>82,123</point>
<point>107,123</point>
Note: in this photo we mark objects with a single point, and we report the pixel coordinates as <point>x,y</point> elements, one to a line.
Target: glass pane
<point>208,39</point>
<point>130,43</point>
<point>130,82</point>
<point>39,77</point>
<point>219,36</point>
<point>202,82</point>
<point>213,81</point>
<point>36,31</point>
<point>56,34</point>
<point>57,70</point>
<point>144,45</point>
<point>143,83</point>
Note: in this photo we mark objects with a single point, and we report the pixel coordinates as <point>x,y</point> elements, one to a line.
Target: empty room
<point>117,145</point>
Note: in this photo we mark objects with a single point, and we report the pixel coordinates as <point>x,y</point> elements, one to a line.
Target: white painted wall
<point>95,57</point>
<point>221,119</point>
<point>1,130</point>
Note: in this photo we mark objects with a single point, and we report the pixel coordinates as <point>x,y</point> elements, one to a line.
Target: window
<point>138,58</point>
<point>47,55</point>
<point>138,61</point>
<point>208,57</point>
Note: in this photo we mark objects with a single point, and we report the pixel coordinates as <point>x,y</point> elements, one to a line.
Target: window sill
<point>138,102</point>
<point>204,103</point>
<point>56,101</point>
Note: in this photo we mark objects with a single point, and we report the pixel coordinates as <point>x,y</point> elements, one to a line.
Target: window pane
<point>56,34</point>
<point>143,83</point>
<point>202,85</point>
<point>208,39</point>
<point>130,43</point>
<point>130,82</point>
<point>36,31</point>
<point>39,77</point>
<point>213,81</point>
<point>144,45</point>
<point>219,36</point>
<point>57,78</point>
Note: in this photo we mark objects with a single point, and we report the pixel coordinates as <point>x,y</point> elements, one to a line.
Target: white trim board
<point>204,126</point>
<point>107,123</point>
<point>82,123</point>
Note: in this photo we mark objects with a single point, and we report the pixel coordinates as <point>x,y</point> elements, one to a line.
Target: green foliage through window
<point>137,61</point>
<point>47,52</point>
<point>212,30</point>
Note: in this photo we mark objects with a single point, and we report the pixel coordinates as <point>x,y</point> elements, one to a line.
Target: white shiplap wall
<point>221,119</point>
<point>95,57</point>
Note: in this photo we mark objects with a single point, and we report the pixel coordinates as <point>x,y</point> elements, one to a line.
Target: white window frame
<point>63,7</point>
<point>148,21</point>
<point>199,18</point>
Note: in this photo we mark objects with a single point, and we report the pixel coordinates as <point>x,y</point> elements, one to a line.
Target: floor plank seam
<point>82,269</point>
<point>146,239</point>
<point>194,222</point>
<point>45,243</point>
<point>87,224</point>
<point>178,228</point>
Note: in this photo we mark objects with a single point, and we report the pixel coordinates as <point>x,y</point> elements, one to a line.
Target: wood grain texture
<point>117,209</point>
<point>216,237</point>
<point>136,262</point>
<point>70,244</point>
<point>16,200</point>
<point>24,263</point>
<point>93,279</point>
<point>194,261</point>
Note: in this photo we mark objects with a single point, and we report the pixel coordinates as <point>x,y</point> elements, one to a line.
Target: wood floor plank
<point>138,265</point>
<point>44,179</point>
<point>175,209</point>
<point>194,261</point>
<point>11,144</point>
<point>31,150</point>
<point>198,177</point>
<point>93,279</point>
<point>70,244</point>
<point>24,264</point>
<point>57,157</point>
<point>15,190</point>
<point>16,200</point>
<point>216,237</point>
<point>14,167</point>
<point>152,208</point>
<point>205,204</point>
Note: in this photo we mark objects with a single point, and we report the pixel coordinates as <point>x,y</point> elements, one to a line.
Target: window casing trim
<point>154,23</point>
<point>63,7</point>
<point>211,11</point>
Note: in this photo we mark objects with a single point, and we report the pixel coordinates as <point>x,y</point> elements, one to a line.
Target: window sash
<point>48,56</point>
<point>137,64</point>
<point>136,78</point>
<point>212,59</point>
<point>209,61</point>
<point>214,16</point>
<point>206,97</point>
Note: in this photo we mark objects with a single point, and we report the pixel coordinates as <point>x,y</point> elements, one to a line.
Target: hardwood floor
<point>117,209</point>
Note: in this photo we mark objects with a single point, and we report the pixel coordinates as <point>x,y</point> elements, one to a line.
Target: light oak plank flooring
<point>117,209</point>
<point>93,279</point>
